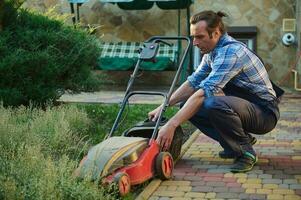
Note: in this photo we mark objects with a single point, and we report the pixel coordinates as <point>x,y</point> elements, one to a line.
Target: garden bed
<point>39,149</point>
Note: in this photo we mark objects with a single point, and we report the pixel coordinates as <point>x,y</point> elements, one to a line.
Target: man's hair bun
<point>221,14</point>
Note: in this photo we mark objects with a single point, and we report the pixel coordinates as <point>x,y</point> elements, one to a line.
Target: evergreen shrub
<point>40,58</point>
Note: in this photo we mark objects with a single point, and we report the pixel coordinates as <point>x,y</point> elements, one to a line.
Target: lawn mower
<point>135,156</point>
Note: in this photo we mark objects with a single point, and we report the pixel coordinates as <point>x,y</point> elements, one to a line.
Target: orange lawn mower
<point>135,157</point>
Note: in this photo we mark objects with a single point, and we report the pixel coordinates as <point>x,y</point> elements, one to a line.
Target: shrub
<point>41,57</point>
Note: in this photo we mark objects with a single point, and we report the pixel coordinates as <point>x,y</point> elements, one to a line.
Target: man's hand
<point>153,115</point>
<point>165,136</point>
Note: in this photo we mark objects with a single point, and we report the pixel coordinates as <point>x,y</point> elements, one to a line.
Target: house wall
<point>117,24</point>
<point>298,34</point>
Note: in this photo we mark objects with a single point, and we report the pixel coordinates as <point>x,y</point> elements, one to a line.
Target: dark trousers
<point>230,120</point>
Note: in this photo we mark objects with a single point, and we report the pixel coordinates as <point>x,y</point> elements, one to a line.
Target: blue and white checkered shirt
<point>231,61</point>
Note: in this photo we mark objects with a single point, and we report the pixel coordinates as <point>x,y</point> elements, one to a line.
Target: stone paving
<point>201,174</point>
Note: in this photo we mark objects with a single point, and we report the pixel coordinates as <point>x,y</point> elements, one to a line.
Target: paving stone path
<point>201,174</point>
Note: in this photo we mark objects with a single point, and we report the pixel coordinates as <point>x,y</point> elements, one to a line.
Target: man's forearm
<point>191,107</point>
<point>181,94</point>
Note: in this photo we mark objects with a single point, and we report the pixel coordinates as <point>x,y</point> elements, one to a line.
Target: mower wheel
<point>164,165</point>
<point>124,183</point>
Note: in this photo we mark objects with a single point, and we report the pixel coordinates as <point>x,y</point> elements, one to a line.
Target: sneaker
<point>225,154</point>
<point>244,163</point>
<point>253,140</point>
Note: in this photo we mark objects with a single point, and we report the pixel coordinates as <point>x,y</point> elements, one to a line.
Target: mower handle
<point>163,42</point>
<point>127,96</point>
<point>162,38</point>
<point>128,92</point>
<point>144,93</point>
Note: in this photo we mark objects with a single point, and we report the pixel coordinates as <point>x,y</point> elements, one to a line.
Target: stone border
<point>154,184</point>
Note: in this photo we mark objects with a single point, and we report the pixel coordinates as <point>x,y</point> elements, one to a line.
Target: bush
<point>41,57</point>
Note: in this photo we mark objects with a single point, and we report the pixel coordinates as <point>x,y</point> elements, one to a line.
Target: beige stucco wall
<point>117,24</point>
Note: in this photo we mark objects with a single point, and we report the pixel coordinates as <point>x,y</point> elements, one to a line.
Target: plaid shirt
<point>231,61</point>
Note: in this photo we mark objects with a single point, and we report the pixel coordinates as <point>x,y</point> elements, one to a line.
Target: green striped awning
<point>147,4</point>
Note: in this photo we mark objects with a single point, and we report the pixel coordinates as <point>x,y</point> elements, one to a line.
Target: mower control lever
<point>150,49</point>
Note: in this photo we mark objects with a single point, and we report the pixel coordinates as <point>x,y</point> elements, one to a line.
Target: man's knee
<point>213,103</point>
<point>209,104</point>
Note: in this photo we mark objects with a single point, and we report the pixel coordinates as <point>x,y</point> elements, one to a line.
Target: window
<point>245,34</point>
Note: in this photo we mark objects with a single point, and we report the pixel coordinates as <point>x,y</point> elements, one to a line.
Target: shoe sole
<point>227,157</point>
<point>244,170</point>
